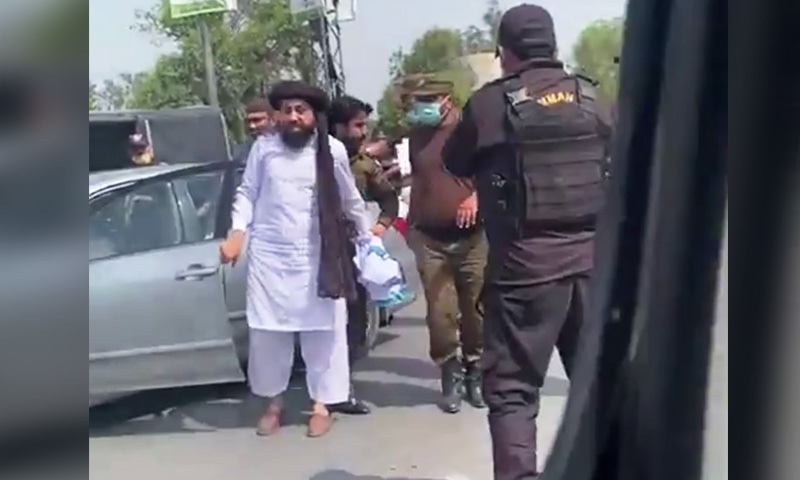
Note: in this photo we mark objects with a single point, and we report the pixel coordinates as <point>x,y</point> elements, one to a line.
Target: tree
<point>438,51</point>
<point>491,19</point>
<point>474,39</point>
<point>115,94</point>
<point>92,96</point>
<point>171,83</point>
<point>482,39</point>
<point>259,44</point>
<point>594,52</point>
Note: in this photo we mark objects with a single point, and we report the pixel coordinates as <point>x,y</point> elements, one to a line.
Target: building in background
<point>485,66</point>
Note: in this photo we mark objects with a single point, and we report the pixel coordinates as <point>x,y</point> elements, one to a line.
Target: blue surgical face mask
<point>425,113</point>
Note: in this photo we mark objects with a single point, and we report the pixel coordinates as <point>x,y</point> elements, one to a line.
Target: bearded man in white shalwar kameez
<point>296,197</point>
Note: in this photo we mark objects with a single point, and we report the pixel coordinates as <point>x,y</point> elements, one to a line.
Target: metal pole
<point>208,54</point>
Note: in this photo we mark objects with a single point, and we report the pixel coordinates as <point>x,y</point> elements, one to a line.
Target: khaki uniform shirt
<point>375,187</point>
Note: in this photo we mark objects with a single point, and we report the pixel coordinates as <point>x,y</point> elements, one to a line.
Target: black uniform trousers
<point>357,321</point>
<point>522,326</point>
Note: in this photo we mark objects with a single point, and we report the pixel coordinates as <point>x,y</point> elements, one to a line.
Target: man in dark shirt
<point>257,121</point>
<point>536,284</point>
<point>448,242</point>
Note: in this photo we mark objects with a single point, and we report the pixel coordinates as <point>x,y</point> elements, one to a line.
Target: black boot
<point>452,386</point>
<point>473,390</point>
<point>353,406</point>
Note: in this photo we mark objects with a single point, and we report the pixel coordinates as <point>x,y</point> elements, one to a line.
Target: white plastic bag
<point>380,274</point>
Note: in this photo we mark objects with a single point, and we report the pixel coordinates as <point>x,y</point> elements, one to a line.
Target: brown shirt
<point>435,194</point>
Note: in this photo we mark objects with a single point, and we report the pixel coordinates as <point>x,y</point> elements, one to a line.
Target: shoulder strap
<point>586,88</point>
<point>586,92</point>
<point>515,92</point>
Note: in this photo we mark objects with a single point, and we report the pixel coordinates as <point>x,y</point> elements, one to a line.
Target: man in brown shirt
<point>448,242</point>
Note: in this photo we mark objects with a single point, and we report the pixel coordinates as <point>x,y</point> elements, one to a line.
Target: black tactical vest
<point>560,154</point>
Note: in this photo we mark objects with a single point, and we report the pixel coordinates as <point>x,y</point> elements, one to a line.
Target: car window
<point>140,220</point>
<point>205,190</point>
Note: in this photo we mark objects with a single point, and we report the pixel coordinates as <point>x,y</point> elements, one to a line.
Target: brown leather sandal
<point>269,423</point>
<point>319,424</point>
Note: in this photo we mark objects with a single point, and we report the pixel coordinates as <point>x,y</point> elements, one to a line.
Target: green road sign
<point>189,8</point>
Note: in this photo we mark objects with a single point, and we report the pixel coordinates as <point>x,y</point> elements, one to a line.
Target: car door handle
<point>196,272</point>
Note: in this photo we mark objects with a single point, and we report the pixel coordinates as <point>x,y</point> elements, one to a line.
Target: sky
<point>381,26</point>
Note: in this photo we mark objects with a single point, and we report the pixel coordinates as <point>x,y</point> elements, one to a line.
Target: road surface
<point>207,433</point>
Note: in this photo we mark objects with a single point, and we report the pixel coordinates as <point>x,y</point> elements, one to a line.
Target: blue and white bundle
<point>381,274</point>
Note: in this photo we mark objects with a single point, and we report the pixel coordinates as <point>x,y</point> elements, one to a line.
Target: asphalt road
<point>207,433</point>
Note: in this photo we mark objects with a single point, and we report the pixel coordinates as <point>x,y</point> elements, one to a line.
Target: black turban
<point>336,276</point>
<point>297,90</point>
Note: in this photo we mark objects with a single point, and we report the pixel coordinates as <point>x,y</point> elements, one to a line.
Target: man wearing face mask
<point>448,242</point>
<point>348,121</point>
<point>536,142</point>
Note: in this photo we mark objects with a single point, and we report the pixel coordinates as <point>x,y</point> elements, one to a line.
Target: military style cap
<point>424,84</point>
<point>420,84</point>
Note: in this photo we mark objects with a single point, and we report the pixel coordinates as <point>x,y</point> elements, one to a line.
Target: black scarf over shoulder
<point>336,276</point>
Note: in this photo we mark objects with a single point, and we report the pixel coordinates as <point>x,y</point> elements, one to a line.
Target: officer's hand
<point>379,149</point>
<point>231,248</point>
<point>378,230</point>
<point>392,171</point>
<point>467,213</point>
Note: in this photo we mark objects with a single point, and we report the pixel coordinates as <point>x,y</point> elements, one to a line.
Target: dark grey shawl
<point>336,276</point>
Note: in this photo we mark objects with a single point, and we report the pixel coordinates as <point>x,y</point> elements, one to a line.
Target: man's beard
<point>353,145</point>
<point>257,132</point>
<point>296,139</point>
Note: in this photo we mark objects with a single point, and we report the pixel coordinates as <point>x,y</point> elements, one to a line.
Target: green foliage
<point>437,51</point>
<point>390,115</point>
<point>175,81</point>
<point>115,94</point>
<point>254,47</point>
<point>92,97</point>
<point>491,18</point>
<point>482,39</point>
<point>594,52</point>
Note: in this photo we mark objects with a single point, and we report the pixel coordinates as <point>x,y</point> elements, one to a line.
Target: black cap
<point>527,31</point>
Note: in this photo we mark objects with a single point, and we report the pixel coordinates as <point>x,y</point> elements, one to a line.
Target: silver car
<point>163,312</point>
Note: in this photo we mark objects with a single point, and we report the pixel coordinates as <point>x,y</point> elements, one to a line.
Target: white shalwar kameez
<point>276,204</point>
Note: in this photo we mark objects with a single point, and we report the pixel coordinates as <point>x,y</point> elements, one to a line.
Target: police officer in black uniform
<point>535,142</point>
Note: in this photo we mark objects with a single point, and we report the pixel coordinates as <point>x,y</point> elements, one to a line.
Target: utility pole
<point>327,46</point>
<point>328,52</point>
<point>208,57</point>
